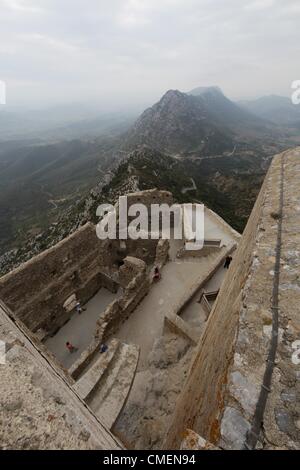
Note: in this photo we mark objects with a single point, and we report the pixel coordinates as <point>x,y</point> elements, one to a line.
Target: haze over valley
<point>55,170</point>
<point>202,88</point>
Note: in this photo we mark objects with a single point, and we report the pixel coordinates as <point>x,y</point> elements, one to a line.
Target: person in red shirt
<point>156,276</point>
<point>70,347</point>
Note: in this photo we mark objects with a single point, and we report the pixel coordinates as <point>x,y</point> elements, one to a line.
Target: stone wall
<point>162,253</point>
<point>130,269</point>
<point>39,409</point>
<point>219,399</point>
<point>202,397</point>
<point>121,309</point>
<point>112,318</point>
<point>257,319</point>
<point>37,290</point>
<point>142,249</point>
<point>205,251</point>
<point>149,197</point>
<point>145,249</point>
<point>132,266</point>
<point>172,318</point>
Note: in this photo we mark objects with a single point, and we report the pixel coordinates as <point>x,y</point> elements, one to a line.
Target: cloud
<point>21,6</point>
<point>260,4</point>
<point>131,51</point>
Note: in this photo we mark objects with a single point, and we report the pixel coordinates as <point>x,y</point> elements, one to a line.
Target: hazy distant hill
<point>203,121</point>
<point>61,123</point>
<point>277,109</point>
<point>39,181</point>
<point>225,112</point>
<point>179,123</point>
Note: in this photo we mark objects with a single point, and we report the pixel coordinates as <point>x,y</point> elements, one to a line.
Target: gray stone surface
<point>109,396</point>
<point>230,361</point>
<point>245,391</point>
<point>282,411</point>
<point>234,429</point>
<point>38,408</point>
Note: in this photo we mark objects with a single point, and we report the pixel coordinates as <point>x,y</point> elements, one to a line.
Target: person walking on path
<point>227,262</point>
<point>79,308</point>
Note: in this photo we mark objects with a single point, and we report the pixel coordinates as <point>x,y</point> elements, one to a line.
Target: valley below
<point>200,146</point>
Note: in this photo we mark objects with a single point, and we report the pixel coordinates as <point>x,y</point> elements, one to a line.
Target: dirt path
<point>190,188</point>
<point>49,195</point>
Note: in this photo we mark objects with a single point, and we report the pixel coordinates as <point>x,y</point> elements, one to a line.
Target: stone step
<point>109,398</point>
<point>90,379</point>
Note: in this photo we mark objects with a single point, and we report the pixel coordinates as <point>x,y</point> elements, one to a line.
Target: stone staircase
<point>105,386</point>
<point>89,380</point>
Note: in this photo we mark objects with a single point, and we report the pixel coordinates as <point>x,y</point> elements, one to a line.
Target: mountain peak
<point>179,123</point>
<point>202,121</point>
<point>172,95</point>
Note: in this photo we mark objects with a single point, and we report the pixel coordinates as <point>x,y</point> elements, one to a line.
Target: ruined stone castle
<point>204,358</point>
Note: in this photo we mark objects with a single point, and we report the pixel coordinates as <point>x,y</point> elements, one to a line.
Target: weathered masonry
<point>205,358</point>
<point>223,397</point>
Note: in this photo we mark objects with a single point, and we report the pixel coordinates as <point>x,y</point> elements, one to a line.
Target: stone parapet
<point>220,396</point>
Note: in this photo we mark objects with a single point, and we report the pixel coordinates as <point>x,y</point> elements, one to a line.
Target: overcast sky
<point>131,51</point>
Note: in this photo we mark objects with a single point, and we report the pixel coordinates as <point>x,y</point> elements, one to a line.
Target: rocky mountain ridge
<point>203,121</point>
<point>146,168</point>
<point>183,141</point>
